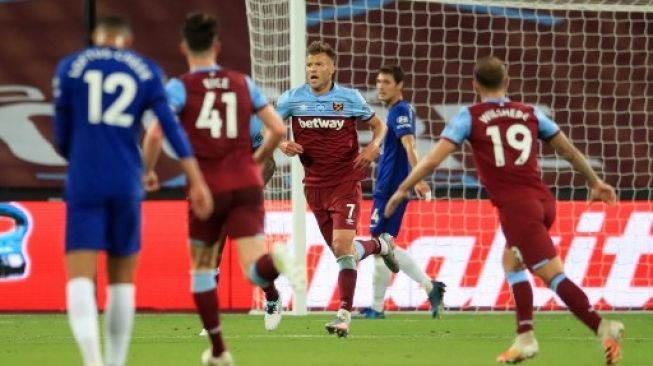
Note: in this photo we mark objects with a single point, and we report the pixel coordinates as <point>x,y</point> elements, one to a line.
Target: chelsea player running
<point>397,159</point>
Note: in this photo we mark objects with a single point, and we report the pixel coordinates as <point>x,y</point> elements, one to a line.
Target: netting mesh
<point>587,64</point>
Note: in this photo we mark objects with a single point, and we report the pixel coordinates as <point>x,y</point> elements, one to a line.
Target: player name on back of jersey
<point>137,64</point>
<point>513,113</point>
<point>317,122</point>
<point>216,83</point>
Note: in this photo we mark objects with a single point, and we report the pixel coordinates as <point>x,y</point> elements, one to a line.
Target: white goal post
<point>587,63</point>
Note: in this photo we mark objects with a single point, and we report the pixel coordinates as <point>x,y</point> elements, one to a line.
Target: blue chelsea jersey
<point>393,166</point>
<point>100,95</point>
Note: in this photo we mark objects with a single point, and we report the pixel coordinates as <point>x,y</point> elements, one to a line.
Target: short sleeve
<point>283,105</point>
<point>255,131</point>
<point>361,109</point>
<point>403,121</point>
<point>546,128</point>
<point>459,128</point>
<point>258,99</point>
<point>176,94</point>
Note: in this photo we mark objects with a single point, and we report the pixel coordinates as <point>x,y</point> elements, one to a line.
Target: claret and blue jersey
<point>503,135</point>
<point>216,107</point>
<point>323,124</point>
<point>177,96</point>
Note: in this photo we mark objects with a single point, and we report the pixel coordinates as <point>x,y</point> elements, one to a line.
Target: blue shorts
<point>379,224</point>
<point>112,225</point>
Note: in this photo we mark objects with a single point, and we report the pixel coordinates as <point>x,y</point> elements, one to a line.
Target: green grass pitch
<point>401,339</point>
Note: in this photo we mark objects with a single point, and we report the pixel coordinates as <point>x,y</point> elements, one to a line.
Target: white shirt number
<point>523,145</point>
<point>210,117</point>
<point>98,85</point>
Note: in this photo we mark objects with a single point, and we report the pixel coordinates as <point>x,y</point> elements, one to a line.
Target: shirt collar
<point>206,69</point>
<point>497,100</point>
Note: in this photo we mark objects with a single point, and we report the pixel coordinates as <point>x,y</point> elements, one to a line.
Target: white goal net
<point>585,63</point>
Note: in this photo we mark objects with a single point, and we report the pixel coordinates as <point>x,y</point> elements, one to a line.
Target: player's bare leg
<point>525,345</point>
<point>218,259</point>
<point>273,304</point>
<point>263,268</point>
<point>609,332</point>
<point>120,308</point>
<point>81,304</point>
<point>203,287</point>
<point>267,170</point>
<point>343,248</point>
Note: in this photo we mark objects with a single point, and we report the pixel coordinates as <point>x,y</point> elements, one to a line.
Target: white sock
<point>409,267</point>
<point>384,247</point>
<point>119,319</point>
<point>82,317</point>
<point>380,283</point>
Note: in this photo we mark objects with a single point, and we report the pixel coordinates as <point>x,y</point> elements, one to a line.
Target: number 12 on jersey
<point>210,117</point>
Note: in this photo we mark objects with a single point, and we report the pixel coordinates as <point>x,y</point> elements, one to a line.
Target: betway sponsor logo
<point>604,252</point>
<point>317,122</point>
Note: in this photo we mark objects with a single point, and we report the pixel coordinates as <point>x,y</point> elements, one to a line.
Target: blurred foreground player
<point>215,106</point>
<point>101,94</point>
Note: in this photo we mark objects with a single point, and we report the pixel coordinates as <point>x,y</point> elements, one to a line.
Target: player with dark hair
<point>215,106</point>
<point>397,159</point>
<point>323,116</point>
<point>503,135</point>
<point>273,305</point>
<point>100,95</point>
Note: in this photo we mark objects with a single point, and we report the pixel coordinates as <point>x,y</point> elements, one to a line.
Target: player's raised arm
<point>440,151</point>
<point>600,191</point>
